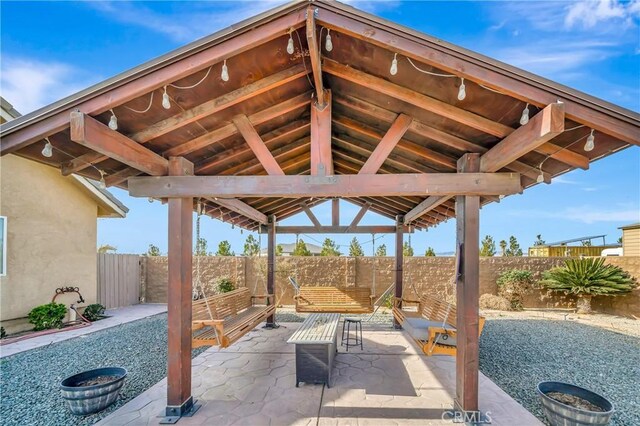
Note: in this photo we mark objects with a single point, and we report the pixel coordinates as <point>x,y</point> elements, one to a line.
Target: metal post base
<point>469,418</point>
<point>173,413</point>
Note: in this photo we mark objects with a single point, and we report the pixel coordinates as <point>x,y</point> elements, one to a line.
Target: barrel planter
<point>84,399</point>
<point>560,414</point>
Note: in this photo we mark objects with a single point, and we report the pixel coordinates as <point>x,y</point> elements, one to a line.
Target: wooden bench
<point>432,325</point>
<point>224,318</point>
<point>330,299</point>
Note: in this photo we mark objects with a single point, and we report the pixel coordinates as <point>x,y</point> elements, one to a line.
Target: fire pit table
<point>316,347</point>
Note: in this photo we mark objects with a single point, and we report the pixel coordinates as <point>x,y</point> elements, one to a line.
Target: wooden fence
<point>118,280</point>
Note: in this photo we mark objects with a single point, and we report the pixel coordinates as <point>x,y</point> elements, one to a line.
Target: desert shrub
<point>513,285</point>
<point>47,316</point>
<point>3,333</point>
<point>588,277</point>
<point>225,285</point>
<point>491,301</point>
<point>93,312</point>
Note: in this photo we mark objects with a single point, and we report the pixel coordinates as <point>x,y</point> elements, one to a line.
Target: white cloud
<point>588,14</point>
<point>29,84</point>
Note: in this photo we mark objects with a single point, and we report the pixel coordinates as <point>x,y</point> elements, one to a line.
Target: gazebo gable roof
<point>260,121</point>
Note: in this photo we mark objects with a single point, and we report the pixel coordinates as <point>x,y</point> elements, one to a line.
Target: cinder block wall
<point>421,274</point>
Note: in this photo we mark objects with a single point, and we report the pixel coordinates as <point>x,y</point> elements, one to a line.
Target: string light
<point>501,196</point>
<point>290,48</point>
<point>462,90</point>
<point>394,65</point>
<point>102,184</point>
<point>524,118</point>
<point>47,151</point>
<point>591,142</point>
<point>166,102</point>
<point>113,121</point>
<point>150,199</point>
<point>328,45</point>
<point>224,75</point>
<point>540,177</point>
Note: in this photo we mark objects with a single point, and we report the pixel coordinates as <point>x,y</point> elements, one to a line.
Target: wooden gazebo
<point>267,118</point>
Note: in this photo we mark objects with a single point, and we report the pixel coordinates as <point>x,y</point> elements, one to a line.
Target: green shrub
<point>93,312</point>
<point>225,285</point>
<point>3,333</point>
<point>513,285</point>
<point>47,316</point>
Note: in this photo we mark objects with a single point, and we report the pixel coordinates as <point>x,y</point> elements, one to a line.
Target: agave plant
<point>588,277</point>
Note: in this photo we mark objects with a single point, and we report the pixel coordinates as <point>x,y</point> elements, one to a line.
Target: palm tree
<point>588,277</point>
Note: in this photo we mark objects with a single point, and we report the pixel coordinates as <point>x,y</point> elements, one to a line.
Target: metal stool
<point>358,340</point>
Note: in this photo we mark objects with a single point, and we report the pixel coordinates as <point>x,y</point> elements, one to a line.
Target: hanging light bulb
<point>501,196</point>
<point>328,45</point>
<point>113,121</point>
<point>166,102</point>
<point>540,177</point>
<point>462,90</point>
<point>290,49</point>
<point>224,75</point>
<point>524,118</point>
<point>47,151</point>
<point>394,65</point>
<point>150,199</point>
<point>591,142</point>
<point>102,184</point>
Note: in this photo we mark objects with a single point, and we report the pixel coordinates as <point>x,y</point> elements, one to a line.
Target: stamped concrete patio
<point>389,383</point>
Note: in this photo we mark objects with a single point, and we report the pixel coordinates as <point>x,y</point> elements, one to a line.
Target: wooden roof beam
<point>424,207</point>
<point>314,55</point>
<point>241,208</point>
<point>321,154</point>
<point>255,142</point>
<point>543,127</point>
<point>495,75</point>
<point>91,133</point>
<point>330,186</point>
<point>417,99</point>
<point>386,145</point>
<point>358,217</point>
<point>310,215</point>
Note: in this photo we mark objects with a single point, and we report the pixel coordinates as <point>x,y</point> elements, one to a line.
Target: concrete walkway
<point>390,382</point>
<point>116,317</point>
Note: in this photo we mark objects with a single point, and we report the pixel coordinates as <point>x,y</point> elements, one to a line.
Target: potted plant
<point>569,405</point>
<point>588,277</point>
<point>92,391</point>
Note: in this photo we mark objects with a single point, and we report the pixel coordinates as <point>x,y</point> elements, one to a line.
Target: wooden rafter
<point>363,229</point>
<point>89,132</point>
<point>122,92</point>
<point>418,99</point>
<point>483,71</point>
<point>335,212</point>
<point>255,142</point>
<point>331,186</point>
<point>310,215</point>
<point>386,145</point>
<point>358,217</point>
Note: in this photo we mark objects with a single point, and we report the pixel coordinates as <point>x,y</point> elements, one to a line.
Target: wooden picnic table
<point>316,347</point>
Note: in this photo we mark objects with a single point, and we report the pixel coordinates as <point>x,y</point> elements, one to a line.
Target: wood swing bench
<point>331,299</point>
<point>432,325</point>
<point>224,318</point>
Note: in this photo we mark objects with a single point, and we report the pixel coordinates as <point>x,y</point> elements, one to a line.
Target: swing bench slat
<point>329,299</point>
<point>432,325</point>
<point>222,319</point>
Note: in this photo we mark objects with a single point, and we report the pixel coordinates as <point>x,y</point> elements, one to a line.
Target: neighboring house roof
<point>631,226</point>
<point>108,204</point>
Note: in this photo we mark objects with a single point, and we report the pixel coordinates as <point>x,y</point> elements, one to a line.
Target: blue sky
<point>52,49</point>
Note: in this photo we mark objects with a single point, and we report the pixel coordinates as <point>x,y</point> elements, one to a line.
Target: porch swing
<point>333,299</point>
<point>221,319</point>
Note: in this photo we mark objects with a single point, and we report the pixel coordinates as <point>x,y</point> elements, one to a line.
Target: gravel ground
<point>518,354</point>
<point>30,380</point>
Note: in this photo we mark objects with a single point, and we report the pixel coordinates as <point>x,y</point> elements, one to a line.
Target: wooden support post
<point>467,292</point>
<point>399,260</point>
<point>335,212</point>
<point>271,264</point>
<point>321,155</point>
<point>179,399</point>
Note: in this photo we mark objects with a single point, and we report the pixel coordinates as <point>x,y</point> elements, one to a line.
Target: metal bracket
<point>315,13</point>
<point>321,180</point>
<point>174,413</point>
